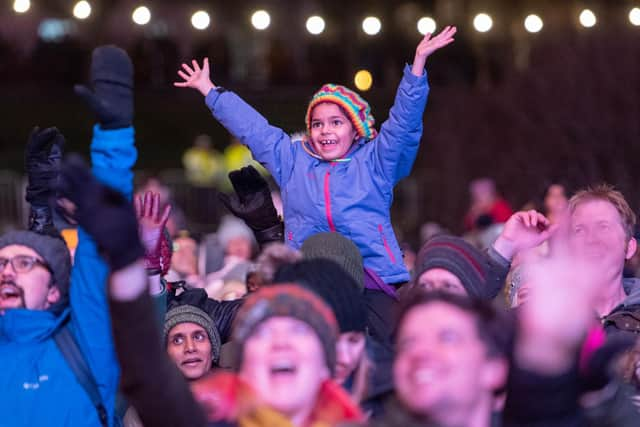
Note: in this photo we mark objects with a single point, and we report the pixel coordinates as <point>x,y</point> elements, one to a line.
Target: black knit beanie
<point>53,250</point>
<point>334,286</point>
<point>336,247</point>
<point>190,314</point>
<point>460,258</point>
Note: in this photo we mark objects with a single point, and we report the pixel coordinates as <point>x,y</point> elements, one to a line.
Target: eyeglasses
<point>23,263</point>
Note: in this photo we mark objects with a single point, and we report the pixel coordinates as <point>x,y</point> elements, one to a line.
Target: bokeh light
<point>533,23</point>
<point>141,15</point>
<point>634,16</point>
<point>200,20</point>
<point>371,25</point>
<point>587,18</point>
<point>260,20</point>
<point>21,6</point>
<point>82,10</point>
<point>426,25</point>
<point>315,25</point>
<point>482,22</point>
<point>363,80</point>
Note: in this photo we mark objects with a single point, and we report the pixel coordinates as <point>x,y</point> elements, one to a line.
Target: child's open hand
<point>428,45</point>
<point>195,77</point>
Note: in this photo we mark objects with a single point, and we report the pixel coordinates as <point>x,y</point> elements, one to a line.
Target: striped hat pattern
<point>357,109</point>
<point>460,258</point>
<point>286,300</point>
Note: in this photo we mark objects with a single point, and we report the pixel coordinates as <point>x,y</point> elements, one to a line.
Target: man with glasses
<point>27,279</point>
<point>54,318</point>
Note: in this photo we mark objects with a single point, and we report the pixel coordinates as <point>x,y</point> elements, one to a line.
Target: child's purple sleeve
<point>269,145</point>
<point>396,146</point>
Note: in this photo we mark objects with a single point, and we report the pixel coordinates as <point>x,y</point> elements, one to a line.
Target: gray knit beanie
<point>192,314</point>
<point>337,248</point>
<point>53,250</point>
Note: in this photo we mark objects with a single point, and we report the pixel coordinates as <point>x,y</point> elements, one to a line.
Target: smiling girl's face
<point>331,131</point>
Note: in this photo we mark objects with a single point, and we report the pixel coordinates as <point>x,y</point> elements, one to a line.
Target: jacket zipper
<point>327,202</point>
<point>386,245</point>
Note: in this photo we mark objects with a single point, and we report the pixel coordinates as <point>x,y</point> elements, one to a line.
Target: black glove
<point>112,79</point>
<point>252,203</point>
<point>103,212</point>
<point>42,157</point>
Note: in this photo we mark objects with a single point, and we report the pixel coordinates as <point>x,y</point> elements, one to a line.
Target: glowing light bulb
<point>587,18</point>
<point>21,6</point>
<point>533,23</point>
<point>315,25</point>
<point>200,20</point>
<point>141,16</point>
<point>82,10</point>
<point>260,20</point>
<point>426,25</point>
<point>482,22</point>
<point>371,25</point>
<point>634,16</point>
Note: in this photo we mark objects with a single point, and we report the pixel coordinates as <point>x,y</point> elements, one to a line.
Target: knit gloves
<point>43,154</point>
<point>103,212</point>
<point>111,98</point>
<point>252,203</point>
<point>154,236</point>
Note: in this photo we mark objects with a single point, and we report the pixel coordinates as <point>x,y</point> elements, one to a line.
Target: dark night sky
<point>518,107</point>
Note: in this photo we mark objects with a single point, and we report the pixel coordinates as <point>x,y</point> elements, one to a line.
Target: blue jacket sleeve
<point>269,145</point>
<point>113,154</point>
<point>396,146</point>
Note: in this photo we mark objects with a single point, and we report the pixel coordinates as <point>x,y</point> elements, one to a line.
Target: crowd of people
<point>312,317</point>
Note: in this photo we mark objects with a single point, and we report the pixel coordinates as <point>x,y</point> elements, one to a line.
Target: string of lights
<point>316,25</point>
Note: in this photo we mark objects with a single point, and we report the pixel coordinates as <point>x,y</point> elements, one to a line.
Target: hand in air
<point>430,44</point>
<point>196,77</point>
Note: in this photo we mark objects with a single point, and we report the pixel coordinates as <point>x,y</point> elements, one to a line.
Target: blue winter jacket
<point>38,387</point>
<point>351,197</point>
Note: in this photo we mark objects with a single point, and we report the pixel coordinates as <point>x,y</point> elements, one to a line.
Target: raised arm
<point>428,45</point>
<point>397,144</point>
<point>252,202</point>
<point>113,154</point>
<point>524,230</point>
<point>269,145</point>
<point>42,163</point>
<point>151,382</point>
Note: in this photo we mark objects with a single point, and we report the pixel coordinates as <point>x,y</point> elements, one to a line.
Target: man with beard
<point>47,307</point>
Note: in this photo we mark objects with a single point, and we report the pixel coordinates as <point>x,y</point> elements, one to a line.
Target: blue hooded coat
<point>38,387</point>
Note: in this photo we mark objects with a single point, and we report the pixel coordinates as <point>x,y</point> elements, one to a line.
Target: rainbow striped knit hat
<point>357,109</point>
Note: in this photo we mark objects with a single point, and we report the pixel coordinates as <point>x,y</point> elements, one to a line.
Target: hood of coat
<point>23,326</point>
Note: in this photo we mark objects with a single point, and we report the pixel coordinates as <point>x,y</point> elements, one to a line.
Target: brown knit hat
<point>286,300</point>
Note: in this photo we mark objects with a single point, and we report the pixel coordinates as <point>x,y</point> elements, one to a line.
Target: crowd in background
<point>283,319</point>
